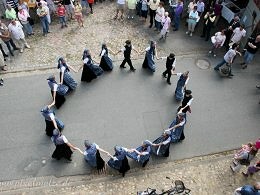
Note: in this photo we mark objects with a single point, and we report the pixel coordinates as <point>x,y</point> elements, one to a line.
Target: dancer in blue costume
<point>150,53</point>
<point>181,85</point>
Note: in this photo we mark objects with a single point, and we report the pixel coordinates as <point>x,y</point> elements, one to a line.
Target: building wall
<point>247,19</point>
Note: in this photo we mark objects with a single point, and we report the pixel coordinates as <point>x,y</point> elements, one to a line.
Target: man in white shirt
<point>16,29</point>
<point>153,5</point>
<point>158,17</point>
<point>238,34</point>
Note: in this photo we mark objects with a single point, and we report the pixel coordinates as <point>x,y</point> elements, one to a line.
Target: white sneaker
<point>214,55</point>
<point>21,50</point>
<point>27,46</point>
<point>191,34</point>
<point>210,51</point>
<point>187,32</point>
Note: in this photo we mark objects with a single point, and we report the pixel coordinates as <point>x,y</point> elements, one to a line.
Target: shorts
<point>69,9</point>
<point>120,6</point>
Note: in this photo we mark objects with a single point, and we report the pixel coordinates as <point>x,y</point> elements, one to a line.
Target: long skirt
<point>90,72</point>
<point>149,62</point>
<point>162,150</point>
<point>121,165</point>
<point>106,63</point>
<point>179,93</point>
<point>59,100</point>
<point>50,127</point>
<point>69,81</point>
<point>62,151</point>
<point>100,162</point>
<point>177,134</point>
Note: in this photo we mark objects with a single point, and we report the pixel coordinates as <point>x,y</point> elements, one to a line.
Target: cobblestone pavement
<point>70,42</point>
<point>203,175</point>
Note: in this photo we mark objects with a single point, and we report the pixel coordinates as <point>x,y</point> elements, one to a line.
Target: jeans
<point>220,64</point>
<point>177,19</point>
<point>28,28</point>
<point>84,3</point>
<point>8,43</point>
<point>248,57</point>
<point>158,25</point>
<point>62,20</point>
<point>45,24</point>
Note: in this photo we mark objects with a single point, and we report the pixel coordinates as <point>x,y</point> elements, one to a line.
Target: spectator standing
<point>6,37</point>
<point>120,8</point>
<point>158,17</point>
<point>90,3</point>
<point>208,23</point>
<point>166,22</point>
<point>144,9</point>
<point>232,25</point>
<point>61,12</point>
<point>84,3</point>
<point>200,7</point>
<point>23,5</point>
<point>78,13</point>
<point>131,4</point>
<point>238,34</point>
<point>42,13</point>
<point>45,5</point>
<point>16,30</point>
<point>191,6</point>
<point>13,4</point>
<point>217,10</point>
<point>153,5</point>
<point>218,41</point>
<point>69,8</point>
<point>10,13</point>
<point>177,15</point>
<point>23,16</point>
<point>192,21</point>
<point>252,47</point>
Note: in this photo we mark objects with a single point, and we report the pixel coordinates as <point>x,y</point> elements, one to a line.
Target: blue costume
<point>142,159</point>
<point>119,162</point>
<point>179,91</point>
<point>106,63</point>
<point>48,114</point>
<point>162,150</point>
<point>62,149</point>
<point>149,58</point>
<point>61,90</point>
<point>67,79</point>
<point>92,156</point>
<point>90,70</point>
<point>177,134</point>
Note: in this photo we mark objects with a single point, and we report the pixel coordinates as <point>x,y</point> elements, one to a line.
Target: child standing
<point>61,12</point>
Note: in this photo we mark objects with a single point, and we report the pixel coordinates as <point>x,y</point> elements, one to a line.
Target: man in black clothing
<point>127,55</point>
<point>232,25</point>
<point>170,66</point>
<point>251,49</point>
<point>186,102</point>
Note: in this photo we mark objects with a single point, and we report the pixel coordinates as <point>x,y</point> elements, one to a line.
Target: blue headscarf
<point>61,62</point>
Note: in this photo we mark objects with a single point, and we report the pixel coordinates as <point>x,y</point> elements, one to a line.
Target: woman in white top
<point>218,41</point>
<point>23,16</point>
<point>192,21</point>
<point>158,17</point>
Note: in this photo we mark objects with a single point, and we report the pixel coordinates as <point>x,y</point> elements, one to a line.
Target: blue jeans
<point>28,28</point>
<point>158,25</point>
<point>84,3</point>
<point>62,20</point>
<point>248,57</point>
<point>45,24</point>
<point>220,64</point>
<point>177,19</point>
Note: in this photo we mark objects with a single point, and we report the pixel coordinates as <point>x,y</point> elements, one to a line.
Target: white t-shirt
<point>228,57</point>
<point>159,13</point>
<point>220,39</point>
<point>238,34</point>
<point>16,30</point>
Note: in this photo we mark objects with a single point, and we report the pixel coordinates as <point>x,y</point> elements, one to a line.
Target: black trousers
<point>206,32</point>
<point>128,61</point>
<point>8,44</point>
<point>152,16</point>
<point>168,72</point>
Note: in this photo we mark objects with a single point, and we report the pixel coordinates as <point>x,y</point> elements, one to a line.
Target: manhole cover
<point>203,64</point>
